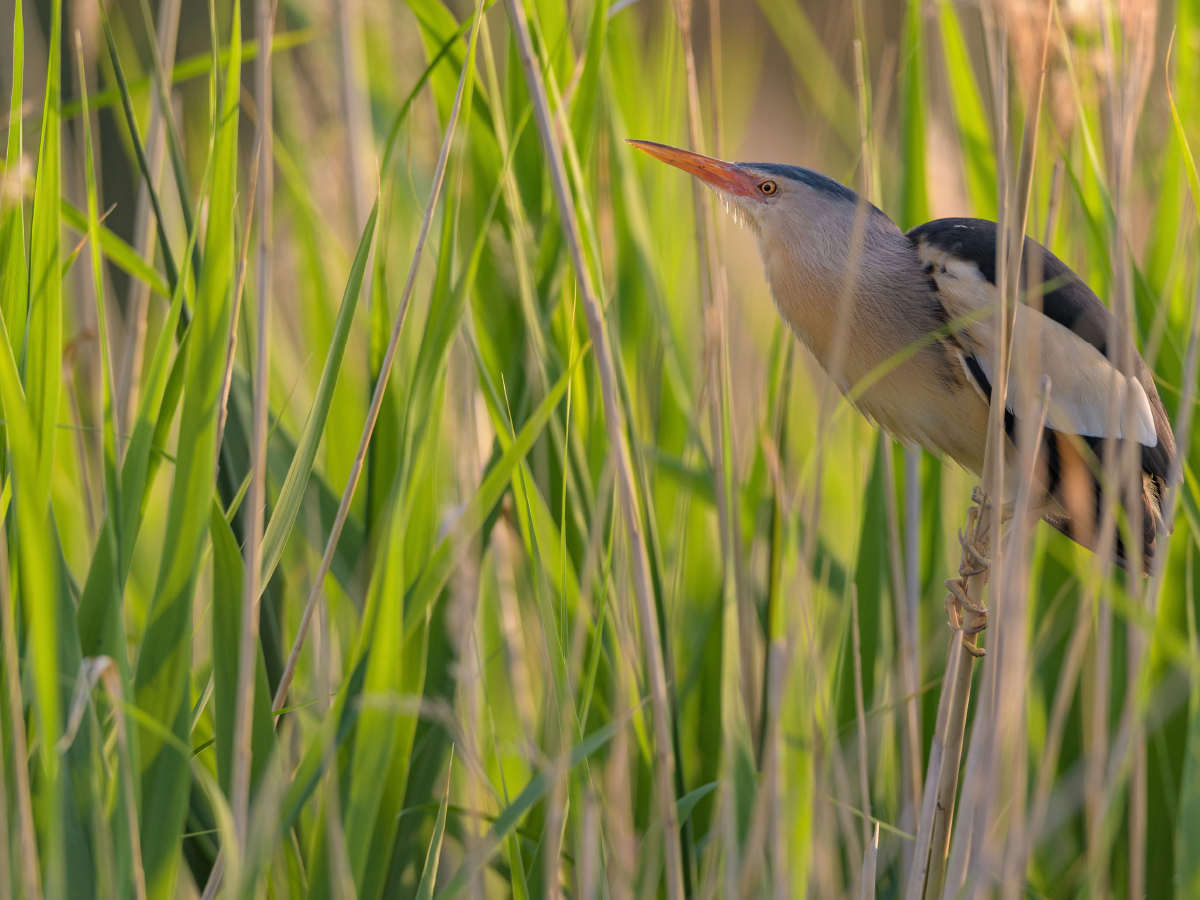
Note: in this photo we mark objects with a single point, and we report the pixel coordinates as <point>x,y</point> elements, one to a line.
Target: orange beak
<point>724,176</point>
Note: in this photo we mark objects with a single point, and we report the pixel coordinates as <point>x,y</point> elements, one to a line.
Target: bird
<point>902,323</point>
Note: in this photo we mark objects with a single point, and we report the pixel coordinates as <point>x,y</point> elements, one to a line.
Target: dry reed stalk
<point>763,834</point>
<point>906,623</point>
<point>715,294</point>
<point>614,421</point>
<point>1012,218</point>
<point>470,702</point>
<point>860,717</point>
<point>352,61</point>
<point>904,590</point>
<point>941,779</point>
<point>289,670</point>
<point>1127,61</point>
<point>257,500</point>
<point>910,644</point>
<point>235,316</point>
<point>998,741</point>
<point>1064,693</point>
<point>587,872</point>
<point>868,868</point>
<point>1014,214</point>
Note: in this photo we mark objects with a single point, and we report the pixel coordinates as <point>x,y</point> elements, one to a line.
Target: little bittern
<point>912,314</point>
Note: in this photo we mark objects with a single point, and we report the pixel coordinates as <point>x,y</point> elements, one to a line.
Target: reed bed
<point>410,491</point>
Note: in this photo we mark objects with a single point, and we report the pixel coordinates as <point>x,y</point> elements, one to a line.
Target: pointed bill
<point>724,176</point>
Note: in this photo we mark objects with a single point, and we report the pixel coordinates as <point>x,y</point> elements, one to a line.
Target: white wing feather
<point>1082,380</point>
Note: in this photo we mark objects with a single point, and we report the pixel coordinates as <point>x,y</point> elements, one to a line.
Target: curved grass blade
<point>117,250</point>
<point>429,873</point>
<point>389,146</point>
<point>296,483</point>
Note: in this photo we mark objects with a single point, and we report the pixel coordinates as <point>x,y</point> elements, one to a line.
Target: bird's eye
<point>768,187</point>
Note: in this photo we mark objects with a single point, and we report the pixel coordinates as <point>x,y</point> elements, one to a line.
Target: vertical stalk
<point>256,500</point>
<point>352,59</point>
<point>912,595</point>
<point>601,347</point>
<point>716,354</point>
<point>969,839</point>
<point>905,627</point>
<point>860,716</point>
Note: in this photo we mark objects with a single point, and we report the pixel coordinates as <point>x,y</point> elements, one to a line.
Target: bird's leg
<point>975,561</point>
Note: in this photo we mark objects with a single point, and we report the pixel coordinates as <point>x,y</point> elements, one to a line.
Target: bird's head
<point>819,240</point>
<point>777,202</point>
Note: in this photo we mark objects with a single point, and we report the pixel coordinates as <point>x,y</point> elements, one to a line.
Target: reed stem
<point>619,446</point>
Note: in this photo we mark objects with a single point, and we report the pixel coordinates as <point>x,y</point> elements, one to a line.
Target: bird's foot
<point>957,604</point>
<point>975,561</point>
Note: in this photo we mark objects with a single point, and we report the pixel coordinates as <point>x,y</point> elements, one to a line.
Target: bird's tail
<point>1079,519</point>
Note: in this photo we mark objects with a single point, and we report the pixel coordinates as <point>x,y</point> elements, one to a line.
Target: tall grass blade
<point>914,198</point>
<point>829,91</point>
<point>287,506</point>
<point>38,585</point>
<point>32,430</point>
<point>163,672</point>
<point>14,294</point>
<point>18,740</point>
<point>42,360</point>
<point>228,575</point>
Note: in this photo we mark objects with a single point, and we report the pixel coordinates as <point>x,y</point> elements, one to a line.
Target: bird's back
<point>1072,332</point>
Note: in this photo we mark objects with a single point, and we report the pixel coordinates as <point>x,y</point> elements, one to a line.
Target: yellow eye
<point>768,187</point>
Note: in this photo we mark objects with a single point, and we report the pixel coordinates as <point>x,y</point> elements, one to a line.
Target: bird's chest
<point>883,356</point>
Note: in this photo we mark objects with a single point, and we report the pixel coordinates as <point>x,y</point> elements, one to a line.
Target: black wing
<point>1067,300</point>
